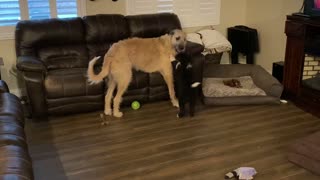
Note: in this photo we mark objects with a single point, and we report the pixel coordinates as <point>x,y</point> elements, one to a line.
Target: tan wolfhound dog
<point>145,54</point>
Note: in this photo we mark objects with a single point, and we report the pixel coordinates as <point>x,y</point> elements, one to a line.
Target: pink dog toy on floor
<point>242,173</point>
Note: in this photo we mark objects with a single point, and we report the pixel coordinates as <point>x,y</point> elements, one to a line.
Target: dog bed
<point>261,78</point>
<point>215,87</point>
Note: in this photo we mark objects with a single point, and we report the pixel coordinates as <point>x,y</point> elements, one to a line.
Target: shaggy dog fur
<point>185,87</point>
<point>148,55</point>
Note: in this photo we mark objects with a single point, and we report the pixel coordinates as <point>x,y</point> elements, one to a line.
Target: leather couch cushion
<point>139,80</point>
<point>32,35</point>
<point>3,87</point>
<point>128,99</point>
<point>11,128</point>
<point>158,93</point>
<point>156,79</point>
<point>79,104</point>
<point>102,31</point>
<point>105,28</point>
<point>158,88</point>
<point>70,83</point>
<point>12,134</point>
<point>140,95</point>
<point>10,106</point>
<point>68,56</point>
<point>16,164</point>
<point>98,49</point>
<point>5,118</point>
<point>152,25</point>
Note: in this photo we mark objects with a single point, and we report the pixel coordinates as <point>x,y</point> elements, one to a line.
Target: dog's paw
<point>108,112</point>
<point>180,115</point>
<point>175,103</point>
<point>117,114</point>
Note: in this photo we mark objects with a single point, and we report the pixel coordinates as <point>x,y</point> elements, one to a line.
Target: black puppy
<point>185,87</point>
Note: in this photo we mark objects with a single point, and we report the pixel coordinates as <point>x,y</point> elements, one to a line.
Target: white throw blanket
<point>213,41</point>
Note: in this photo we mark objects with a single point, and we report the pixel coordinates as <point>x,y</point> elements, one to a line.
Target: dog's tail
<point>96,78</point>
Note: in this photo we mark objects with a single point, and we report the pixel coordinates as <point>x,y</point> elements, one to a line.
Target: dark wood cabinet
<point>303,37</point>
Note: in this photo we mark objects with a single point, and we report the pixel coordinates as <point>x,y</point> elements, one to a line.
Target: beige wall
<point>232,12</point>
<point>267,16</point>
<point>7,52</point>
<point>106,7</point>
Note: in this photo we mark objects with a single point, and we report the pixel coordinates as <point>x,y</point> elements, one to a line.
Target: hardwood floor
<point>152,143</point>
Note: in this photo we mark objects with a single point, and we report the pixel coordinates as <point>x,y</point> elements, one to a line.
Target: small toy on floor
<point>103,119</point>
<point>135,105</point>
<point>242,173</point>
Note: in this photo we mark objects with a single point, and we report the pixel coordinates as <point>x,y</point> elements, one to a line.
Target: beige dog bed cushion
<point>214,87</point>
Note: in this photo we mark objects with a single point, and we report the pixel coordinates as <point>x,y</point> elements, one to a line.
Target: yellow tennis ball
<point>135,105</point>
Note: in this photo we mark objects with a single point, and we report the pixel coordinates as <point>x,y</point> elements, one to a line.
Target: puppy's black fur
<point>185,87</point>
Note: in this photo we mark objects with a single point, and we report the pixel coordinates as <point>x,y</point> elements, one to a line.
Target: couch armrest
<point>194,48</point>
<point>266,81</point>
<point>3,87</point>
<point>30,64</point>
<point>36,92</point>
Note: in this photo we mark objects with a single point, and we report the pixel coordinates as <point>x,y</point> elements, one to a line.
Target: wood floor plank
<point>152,143</point>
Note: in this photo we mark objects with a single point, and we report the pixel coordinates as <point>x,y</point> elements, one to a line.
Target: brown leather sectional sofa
<point>53,56</point>
<point>15,162</point>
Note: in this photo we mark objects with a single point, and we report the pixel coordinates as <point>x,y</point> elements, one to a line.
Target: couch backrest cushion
<point>66,56</point>
<point>60,43</point>
<point>102,31</point>
<point>152,25</point>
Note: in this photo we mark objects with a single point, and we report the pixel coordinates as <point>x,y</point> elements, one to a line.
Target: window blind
<point>191,12</point>
<point>9,12</point>
<point>12,11</point>
<point>67,8</point>
<point>39,9</point>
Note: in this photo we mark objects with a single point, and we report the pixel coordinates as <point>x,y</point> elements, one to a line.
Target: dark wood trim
<point>297,36</point>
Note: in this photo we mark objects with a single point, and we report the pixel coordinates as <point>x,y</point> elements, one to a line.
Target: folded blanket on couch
<point>213,40</point>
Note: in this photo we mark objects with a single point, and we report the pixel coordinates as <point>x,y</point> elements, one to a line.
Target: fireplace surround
<point>301,74</point>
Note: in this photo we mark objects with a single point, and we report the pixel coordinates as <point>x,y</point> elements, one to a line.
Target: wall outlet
<point>1,61</point>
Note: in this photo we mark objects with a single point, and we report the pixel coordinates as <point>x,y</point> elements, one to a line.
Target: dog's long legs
<point>108,97</point>
<point>192,102</point>
<point>117,100</point>
<point>181,108</point>
<point>167,75</point>
<point>122,84</point>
